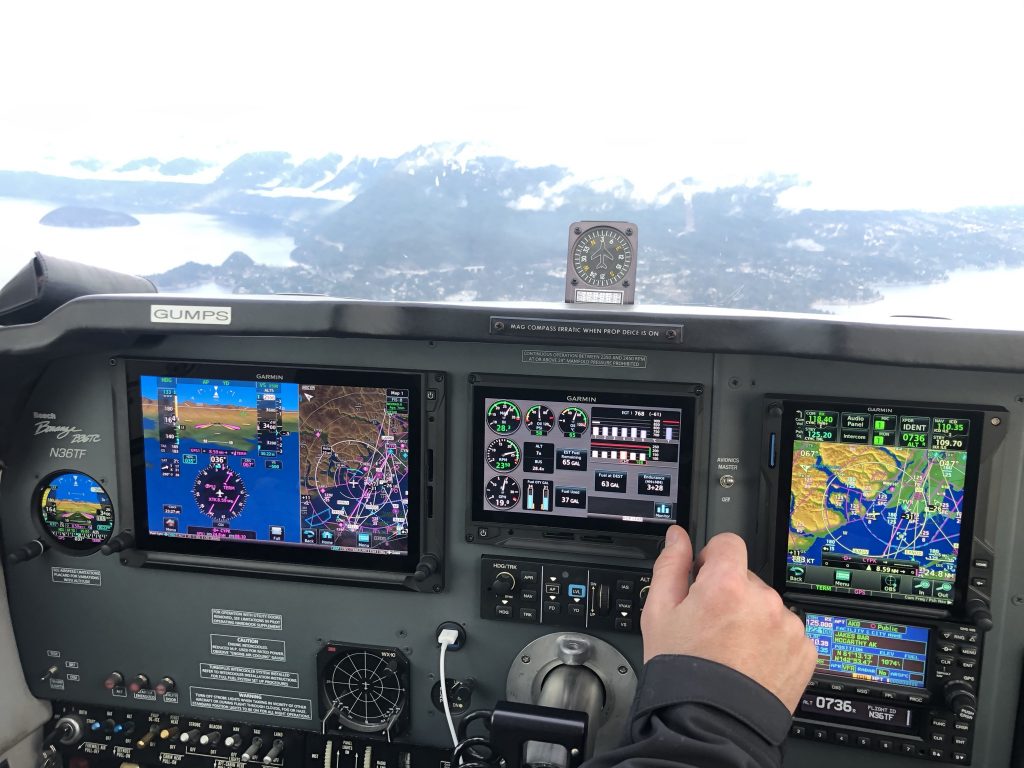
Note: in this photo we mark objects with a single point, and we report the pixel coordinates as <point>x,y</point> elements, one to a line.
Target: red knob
<point>139,683</point>
<point>114,680</point>
<point>166,685</point>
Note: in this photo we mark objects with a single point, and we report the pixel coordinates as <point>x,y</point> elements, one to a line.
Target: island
<point>87,218</point>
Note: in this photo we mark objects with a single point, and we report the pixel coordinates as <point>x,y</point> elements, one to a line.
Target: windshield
<point>859,158</point>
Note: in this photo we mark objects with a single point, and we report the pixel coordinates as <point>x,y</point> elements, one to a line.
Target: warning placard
<point>247,647</point>
<point>79,576</point>
<point>264,704</point>
<point>247,619</point>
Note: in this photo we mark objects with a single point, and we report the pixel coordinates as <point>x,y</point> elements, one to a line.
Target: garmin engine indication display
<point>869,651</point>
<point>582,458</point>
<point>274,461</point>
<point>877,500</point>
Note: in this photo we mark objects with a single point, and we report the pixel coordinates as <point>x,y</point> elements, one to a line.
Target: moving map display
<point>263,459</point>
<point>878,499</point>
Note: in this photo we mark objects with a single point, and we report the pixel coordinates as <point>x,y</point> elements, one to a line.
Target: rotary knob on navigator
<point>504,583</point>
<point>961,699</point>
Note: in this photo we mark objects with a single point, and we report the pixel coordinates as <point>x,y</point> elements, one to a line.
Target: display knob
<point>253,750</point>
<point>504,583</point>
<point>114,680</point>
<point>275,750</point>
<point>139,683</point>
<point>210,739</point>
<point>603,599</point>
<point>27,551</point>
<point>166,685</point>
<point>980,615</point>
<point>190,737</point>
<point>123,540</point>
<point>961,699</point>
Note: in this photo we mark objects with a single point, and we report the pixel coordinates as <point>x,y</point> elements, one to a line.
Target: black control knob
<point>68,731</point>
<point>169,732</point>
<point>961,699</point>
<point>210,739</point>
<point>253,750</point>
<point>504,584</point>
<point>123,540</point>
<point>27,552</point>
<point>148,737</point>
<point>139,683</point>
<point>981,616</point>
<point>165,685</point>
<point>190,737</point>
<point>233,740</point>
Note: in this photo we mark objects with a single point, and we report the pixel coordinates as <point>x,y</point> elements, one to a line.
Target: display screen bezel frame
<point>682,399</point>
<point>263,551</point>
<point>784,467</point>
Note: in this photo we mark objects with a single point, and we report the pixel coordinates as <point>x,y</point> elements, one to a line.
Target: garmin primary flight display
<point>317,461</point>
<point>876,499</point>
<point>581,459</point>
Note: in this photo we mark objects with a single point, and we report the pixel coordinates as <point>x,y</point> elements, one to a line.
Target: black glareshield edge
<point>421,570</point>
<point>776,451</point>
<point>554,534</point>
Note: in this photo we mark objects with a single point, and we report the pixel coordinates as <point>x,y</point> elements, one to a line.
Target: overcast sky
<point>876,104</point>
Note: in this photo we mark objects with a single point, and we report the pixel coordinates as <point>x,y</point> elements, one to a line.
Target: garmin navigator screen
<point>277,460</point>
<point>578,459</point>
<point>869,651</point>
<point>876,499</point>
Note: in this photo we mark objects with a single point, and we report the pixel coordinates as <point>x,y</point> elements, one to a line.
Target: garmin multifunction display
<point>879,499</point>
<point>583,459</point>
<point>317,461</point>
<point>75,510</point>
<point>869,651</point>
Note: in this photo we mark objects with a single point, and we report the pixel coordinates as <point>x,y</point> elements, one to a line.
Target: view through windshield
<point>858,158</point>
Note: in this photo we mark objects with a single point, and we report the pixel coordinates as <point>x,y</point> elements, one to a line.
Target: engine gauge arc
<point>504,417</point>
<point>573,422</point>
<point>75,511</point>
<point>220,492</point>
<point>539,420</point>
<point>503,455</point>
<point>502,492</point>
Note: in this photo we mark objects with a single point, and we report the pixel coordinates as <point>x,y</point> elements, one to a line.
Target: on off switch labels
<point>582,460</point>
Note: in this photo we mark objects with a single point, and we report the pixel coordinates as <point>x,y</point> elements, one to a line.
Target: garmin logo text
<point>269,377</point>
<point>175,313</point>
<point>581,399</point>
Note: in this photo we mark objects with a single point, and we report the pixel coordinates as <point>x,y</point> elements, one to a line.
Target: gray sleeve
<point>691,712</point>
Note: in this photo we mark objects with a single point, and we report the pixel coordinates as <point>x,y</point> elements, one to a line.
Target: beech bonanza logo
<point>176,313</point>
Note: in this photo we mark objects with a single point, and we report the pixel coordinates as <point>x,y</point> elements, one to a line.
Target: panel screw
<point>576,230</point>
<point>670,333</point>
<point>995,421</point>
<point>699,389</point>
<point>629,231</point>
<point>625,283</point>
<point>499,325</point>
<point>402,633</point>
<point>1020,399</point>
<point>469,537</point>
<point>439,377</point>
<point>1017,600</point>
<point>437,587</point>
<point>623,670</point>
<point>113,361</point>
<point>575,281</point>
<point>525,659</point>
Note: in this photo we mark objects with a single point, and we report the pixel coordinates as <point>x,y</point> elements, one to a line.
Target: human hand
<point>727,615</point>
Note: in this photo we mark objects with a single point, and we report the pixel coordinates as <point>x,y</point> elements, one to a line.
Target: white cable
<point>446,638</point>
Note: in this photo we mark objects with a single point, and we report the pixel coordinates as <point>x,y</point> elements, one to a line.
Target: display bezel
<point>561,391</point>
<point>783,455</point>
<point>262,551</point>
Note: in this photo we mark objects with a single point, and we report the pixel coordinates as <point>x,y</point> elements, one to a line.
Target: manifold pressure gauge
<point>601,266</point>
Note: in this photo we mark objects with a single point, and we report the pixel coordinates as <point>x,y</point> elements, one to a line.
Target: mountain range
<point>445,222</point>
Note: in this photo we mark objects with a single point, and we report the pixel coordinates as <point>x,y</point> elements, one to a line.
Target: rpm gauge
<point>75,511</point>
<point>503,455</point>
<point>573,422</point>
<point>504,417</point>
<point>539,420</point>
<point>502,492</point>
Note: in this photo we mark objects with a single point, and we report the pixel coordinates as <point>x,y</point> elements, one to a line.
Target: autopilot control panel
<point>235,548</point>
